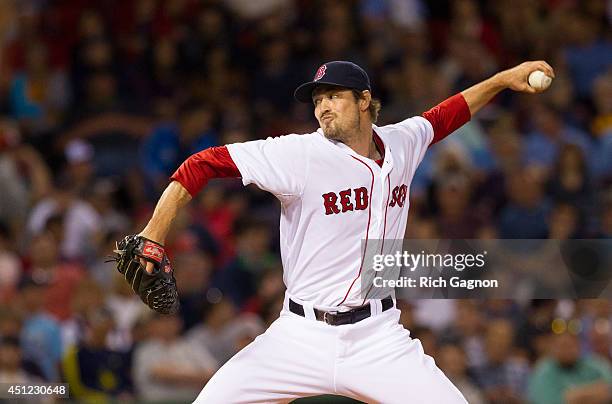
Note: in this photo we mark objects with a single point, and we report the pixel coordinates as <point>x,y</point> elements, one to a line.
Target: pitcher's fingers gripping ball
<point>156,289</point>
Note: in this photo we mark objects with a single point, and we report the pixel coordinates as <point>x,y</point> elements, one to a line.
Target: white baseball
<point>539,80</point>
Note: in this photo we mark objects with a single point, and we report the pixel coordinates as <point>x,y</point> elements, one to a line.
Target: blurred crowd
<point>101,101</point>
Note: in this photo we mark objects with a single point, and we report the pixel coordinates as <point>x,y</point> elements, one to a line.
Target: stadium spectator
<point>503,376</point>
<point>169,144</point>
<point>41,335</point>
<point>525,215</point>
<point>587,53</point>
<point>467,331</point>
<point>85,298</point>
<point>454,219</point>
<point>452,362</point>
<point>92,371</point>
<point>270,288</point>
<point>24,176</point>
<point>61,278</point>
<point>168,367</point>
<point>238,280</point>
<point>193,283</point>
<point>38,95</point>
<point>126,310</point>
<point>567,376</point>
<point>79,169</point>
<point>12,370</point>
<point>543,144</point>
<point>214,334</point>
<point>78,221</point>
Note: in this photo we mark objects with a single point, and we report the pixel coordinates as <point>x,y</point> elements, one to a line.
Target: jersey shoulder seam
<point>431,129</point>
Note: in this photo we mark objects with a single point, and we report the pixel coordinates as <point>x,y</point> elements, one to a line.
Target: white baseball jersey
<point>333,199</point>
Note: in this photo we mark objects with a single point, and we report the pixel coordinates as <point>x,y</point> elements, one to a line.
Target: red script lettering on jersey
<point>399,194</point>
<point>345,200</point>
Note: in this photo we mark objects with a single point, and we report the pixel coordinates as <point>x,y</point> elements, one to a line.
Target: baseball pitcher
<point>346,183</point>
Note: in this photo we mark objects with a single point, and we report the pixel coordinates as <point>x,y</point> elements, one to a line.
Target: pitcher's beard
<point>333,132</point>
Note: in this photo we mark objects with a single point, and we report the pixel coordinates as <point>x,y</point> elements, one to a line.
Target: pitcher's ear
<point>365,100</point>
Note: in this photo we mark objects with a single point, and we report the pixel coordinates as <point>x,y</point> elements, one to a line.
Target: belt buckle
<point>326,319</point>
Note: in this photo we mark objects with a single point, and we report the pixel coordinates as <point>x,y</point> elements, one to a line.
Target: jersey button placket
<point>384,190</point>
<point>376,226</point>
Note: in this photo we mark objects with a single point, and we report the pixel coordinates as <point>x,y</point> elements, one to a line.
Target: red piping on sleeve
<point>199,168</point>
<point>448,116</point>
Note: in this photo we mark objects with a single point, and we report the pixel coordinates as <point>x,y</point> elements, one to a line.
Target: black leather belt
<point>341,317</point>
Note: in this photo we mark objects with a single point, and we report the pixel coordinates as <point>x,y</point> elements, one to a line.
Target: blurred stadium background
<point>101,100</point>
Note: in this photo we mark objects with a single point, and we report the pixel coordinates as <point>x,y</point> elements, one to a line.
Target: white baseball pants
<point>373,360</point>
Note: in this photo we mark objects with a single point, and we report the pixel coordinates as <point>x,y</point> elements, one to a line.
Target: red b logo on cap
<point>320,73</point>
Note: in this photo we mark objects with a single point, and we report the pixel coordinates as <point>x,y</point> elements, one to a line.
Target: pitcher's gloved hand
<point>156,289</point>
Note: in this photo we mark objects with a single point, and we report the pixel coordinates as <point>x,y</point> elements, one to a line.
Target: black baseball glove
<point>158,289</point>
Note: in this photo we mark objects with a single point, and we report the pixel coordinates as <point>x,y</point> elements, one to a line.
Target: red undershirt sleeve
<point>448,116</point>
<point>199,168</point>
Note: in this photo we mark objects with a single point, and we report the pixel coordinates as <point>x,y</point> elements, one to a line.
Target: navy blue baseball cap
<point>337,73</point>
